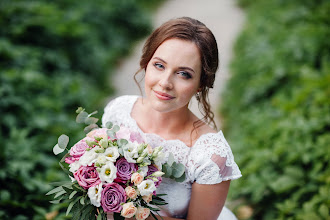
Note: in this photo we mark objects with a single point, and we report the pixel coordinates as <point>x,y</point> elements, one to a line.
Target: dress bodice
<point>208,161</point>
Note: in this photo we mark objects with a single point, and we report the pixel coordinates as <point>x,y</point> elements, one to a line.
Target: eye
<point>185,74</point>
<point>159,65</point>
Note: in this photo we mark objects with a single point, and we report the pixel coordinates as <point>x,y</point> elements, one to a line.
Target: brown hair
<point>186,28</point>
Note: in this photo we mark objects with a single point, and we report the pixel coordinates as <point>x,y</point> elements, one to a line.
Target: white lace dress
<point>201,160</point>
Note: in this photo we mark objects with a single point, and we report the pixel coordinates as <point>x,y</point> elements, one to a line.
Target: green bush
<point>54,57</point>
<point>277,109</point>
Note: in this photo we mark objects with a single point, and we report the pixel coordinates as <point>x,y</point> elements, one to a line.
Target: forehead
<point>179,52</point>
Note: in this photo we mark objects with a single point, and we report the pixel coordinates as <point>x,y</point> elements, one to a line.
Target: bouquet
<point>112,170</point>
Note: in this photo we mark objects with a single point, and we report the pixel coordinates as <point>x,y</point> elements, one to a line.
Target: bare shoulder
<point>205,129</point>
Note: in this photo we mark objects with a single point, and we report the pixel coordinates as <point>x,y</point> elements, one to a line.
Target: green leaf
<point>111,134</point>
<point>170,159</point>
<point>82,200</point>
<point>71,205</point>
<point>91,120</point>
<point>81,117</point>
<point>109,125</point>
<point>72,194</point>
<point>178,170</point>
<point>57,150</point>
<point>80,109</point>
<point>99,217</point>
<point>59,194</point>
<point>90,127</point>
<point>63,141</point>
<point>167,170</point>
<point>93,113</point>
<point>55,190</point>
<point>122,142</point>
<point>181,178</point>
<point>115,128</point>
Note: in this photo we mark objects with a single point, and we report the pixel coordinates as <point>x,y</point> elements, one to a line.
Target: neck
<point>167,124</point>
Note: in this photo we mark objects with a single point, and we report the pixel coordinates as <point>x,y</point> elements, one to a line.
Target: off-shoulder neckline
<point>200,138</point>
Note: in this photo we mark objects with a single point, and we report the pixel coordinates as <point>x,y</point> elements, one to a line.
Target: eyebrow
<point>182,68</point>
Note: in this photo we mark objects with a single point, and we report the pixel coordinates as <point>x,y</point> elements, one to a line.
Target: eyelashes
<point>184,74</point>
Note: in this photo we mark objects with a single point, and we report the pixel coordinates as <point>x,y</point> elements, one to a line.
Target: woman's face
<point>173,75</point>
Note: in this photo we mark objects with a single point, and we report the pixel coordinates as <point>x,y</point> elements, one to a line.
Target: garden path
<point>225,20</point>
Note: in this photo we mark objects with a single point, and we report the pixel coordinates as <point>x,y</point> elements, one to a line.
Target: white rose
<point>94,194</point>
<point>74,166</point>
<point>111,154</point>
<point>146,187</point>
<point>108,172</point>
<point>89,157</point>
<point>131,152</point>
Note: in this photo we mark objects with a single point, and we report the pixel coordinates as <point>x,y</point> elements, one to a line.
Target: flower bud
<point>140,160</point>
<point>158,174</point>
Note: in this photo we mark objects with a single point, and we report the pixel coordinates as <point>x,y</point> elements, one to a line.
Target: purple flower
<point>87,177</point>
<point>112,196</point>
<point>124,170</point>
<point>151,170</point>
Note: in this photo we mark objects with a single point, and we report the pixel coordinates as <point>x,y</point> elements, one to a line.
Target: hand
<point>110,216</point>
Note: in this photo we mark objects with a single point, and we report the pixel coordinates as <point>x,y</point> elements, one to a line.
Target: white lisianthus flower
<point>101,160</point>
<point>159,159</point>
<point>89,157</point>
<point>74,166</point>
<point>108,172</point>
<point>131,152</point>
<point>146,187</point>
<point>111,154</point>
<point>94,194</point>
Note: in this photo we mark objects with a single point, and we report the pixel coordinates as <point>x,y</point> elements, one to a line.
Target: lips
<point>163,96</point>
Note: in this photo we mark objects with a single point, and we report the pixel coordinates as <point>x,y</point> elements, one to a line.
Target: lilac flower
<point>151,170</point>
<point>124,170</point>
<point>113,195</point>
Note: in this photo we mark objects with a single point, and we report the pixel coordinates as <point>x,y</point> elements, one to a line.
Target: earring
<point>198,96</point>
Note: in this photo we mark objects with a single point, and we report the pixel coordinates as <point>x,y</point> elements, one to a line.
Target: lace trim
<point>197,159</point>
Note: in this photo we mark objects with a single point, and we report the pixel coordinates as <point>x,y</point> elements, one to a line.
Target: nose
<point>166,81</point>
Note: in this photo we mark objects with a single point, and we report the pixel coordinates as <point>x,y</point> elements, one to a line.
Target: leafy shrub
<point>277,109</point>
<point>54,57</point>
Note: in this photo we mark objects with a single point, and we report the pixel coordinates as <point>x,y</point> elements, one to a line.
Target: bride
<point>179,60</point>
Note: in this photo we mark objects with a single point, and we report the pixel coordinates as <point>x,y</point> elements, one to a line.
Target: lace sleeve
<point>212,160</point>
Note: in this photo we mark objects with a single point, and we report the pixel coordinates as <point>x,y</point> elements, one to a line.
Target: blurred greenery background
<point>277,110</point>
<point>55,55</point>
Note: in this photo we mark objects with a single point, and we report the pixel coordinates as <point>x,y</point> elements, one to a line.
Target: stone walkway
<point>222,17</point>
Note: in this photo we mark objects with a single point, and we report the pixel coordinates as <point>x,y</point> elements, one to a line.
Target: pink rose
<point>87,176</point>
<point>112,196</point>
<point>136,178</point>
<point>142,213</point>
<point>148,198</point>
<point>131,192</point>
<point>129,210</point>
<point>125,133</point>
<point>78,150</point>
<point>100,132</point>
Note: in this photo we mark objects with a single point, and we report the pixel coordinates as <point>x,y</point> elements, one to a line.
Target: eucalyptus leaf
<point>90,127</point>
<point>167,170</point>
<point>63,141</point>
<point>91,120</point>
<point>115,128</point>
<point>181,179</point>
<point>122,142</point>
<point>109,125</point>
<point>170,159</point>
<point>81,117</point>
<point>57,150</point>
<point>111,134</point>
<point>177,169</point>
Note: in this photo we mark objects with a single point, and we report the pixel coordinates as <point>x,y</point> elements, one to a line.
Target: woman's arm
<point>207,201</point>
